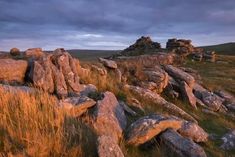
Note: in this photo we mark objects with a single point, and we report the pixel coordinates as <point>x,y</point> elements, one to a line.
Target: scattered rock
<point>229,141</point>
<point>110,119</point>
<point>176,145</point>
<point>193,131</point>
<point>34,53</point>
<point>145,94</point>
<point>108,63</point>
<point>15,51</point>
<point>108,148</point>
<point>13,71</point>
<point>76,106</point>
<point>148,127</point>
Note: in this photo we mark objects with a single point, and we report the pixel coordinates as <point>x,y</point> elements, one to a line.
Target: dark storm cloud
<point>112,24</point>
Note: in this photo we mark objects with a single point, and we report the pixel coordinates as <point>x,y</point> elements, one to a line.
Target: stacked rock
<point>180,46</point>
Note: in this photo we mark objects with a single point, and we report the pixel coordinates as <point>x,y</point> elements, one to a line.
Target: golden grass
<point>32,125</point>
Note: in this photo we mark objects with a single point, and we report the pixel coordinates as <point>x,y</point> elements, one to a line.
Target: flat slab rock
<point>110,119</point>
<point>76,106</point>
<point>106,147</point>
<point>229,141</point>
<point>12,71</point>
<point>148,127</point>
<point>176,145</point>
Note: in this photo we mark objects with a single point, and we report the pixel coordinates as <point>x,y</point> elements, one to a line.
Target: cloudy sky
<point>113,24</point>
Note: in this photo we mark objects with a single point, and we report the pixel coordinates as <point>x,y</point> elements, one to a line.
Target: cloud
<point>112,24</point>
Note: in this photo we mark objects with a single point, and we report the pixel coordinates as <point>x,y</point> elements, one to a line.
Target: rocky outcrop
<point>144,45</point>
<point>209,56</point>
<point>15,52</point>
<point>186,83</point>
<point>108,63</point>
<point>13,71</point>
<point>181,46</point>
<point>34,53</point>
<point>229,99</point>
<point>76,106</point>
<point>145,94</point>
<point>148,127</point>
<point>229,141</point>
<point>176,145</point>
<point>56,73</point>
<point>106,147</point>
<point>193,131</point>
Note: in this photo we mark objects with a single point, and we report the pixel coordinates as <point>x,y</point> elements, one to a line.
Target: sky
<point>113,24</point>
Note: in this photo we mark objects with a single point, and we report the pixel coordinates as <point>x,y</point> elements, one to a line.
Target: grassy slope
<point>225,49</point>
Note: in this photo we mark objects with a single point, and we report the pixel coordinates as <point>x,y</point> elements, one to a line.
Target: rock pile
<point>56,73</point>
<point>144,45</point>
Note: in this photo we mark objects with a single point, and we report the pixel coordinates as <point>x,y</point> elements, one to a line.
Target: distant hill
<point>225,49</point>
<point>91,54</point>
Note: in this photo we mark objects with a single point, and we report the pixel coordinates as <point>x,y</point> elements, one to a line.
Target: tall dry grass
<point>32,125</point>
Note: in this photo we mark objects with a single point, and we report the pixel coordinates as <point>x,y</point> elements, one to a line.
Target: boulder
<point>147,95</point>
<point>110,119</point>
<point>106,147</point>
<point>127,109</point>
<point>108,63</point>
<point>34,53</point>
<point>76,106</point>
<point>193,131</point>
<point>187,94</point>
<point>176,145</point>
<point>180,75</point>
<point>229,141</point>
<point>12,71</point>
<point>157,79</point>
<point>15,51</point>
<point>145,128</point>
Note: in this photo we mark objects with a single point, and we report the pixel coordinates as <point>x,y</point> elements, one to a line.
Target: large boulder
<point>34,53</point>
<point>76,106</point>
<point>13,71</point>
<point>229,141</point>
<point>106,147</point>
<point>108,63</point>
<point>56,73</point>
<point>15,51</point>
<point>144,129</point>
<point>110,119</point>
<point>156,99</point>
<point>176,145</point>
<point>193,131</point>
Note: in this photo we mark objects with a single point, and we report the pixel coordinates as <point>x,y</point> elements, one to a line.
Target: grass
<point>222,49</point>
<point>32,125</point>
